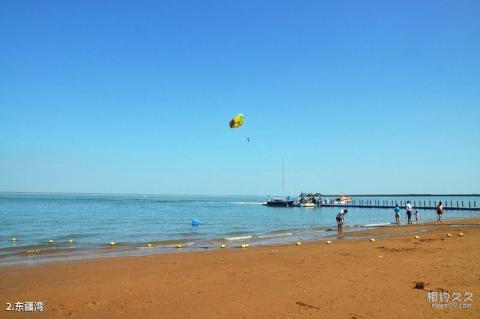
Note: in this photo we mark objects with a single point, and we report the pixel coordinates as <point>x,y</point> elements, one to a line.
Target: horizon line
<point>267,195</point>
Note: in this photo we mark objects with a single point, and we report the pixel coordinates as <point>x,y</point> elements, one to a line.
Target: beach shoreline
<point>353,278</point>
<point>37,257</point>
<point>58,228</point>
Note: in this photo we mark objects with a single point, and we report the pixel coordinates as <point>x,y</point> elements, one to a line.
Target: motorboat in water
<point>308,200</point>
<point>279,202</point>
<point>343,200</point>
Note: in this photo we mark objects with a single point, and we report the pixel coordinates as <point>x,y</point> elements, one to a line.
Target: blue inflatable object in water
<point>195,222</point>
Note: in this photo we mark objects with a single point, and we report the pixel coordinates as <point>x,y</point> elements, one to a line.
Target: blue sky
<point>135,96</point>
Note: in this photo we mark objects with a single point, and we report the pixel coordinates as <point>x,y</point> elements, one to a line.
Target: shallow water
<point>132,221</point>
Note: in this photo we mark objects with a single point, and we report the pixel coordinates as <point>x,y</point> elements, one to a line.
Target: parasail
<point>237,121</point>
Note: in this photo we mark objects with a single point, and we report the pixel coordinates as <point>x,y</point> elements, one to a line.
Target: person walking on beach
<point>409,212</point>
<point>397,214</point>
<point>417,214</point>
<point>341,220</point>
<point>439,212</point>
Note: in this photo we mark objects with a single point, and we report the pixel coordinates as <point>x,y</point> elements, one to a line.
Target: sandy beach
<point>351,278</point>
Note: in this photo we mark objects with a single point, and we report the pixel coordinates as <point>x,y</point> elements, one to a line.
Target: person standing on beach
<point>397,214</point>
<point>409,212</point>
<point>341,220</point>
<point>439,212</point>
<point>417,214</point>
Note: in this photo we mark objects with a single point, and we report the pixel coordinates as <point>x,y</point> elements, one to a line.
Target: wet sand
<point>352,278</point>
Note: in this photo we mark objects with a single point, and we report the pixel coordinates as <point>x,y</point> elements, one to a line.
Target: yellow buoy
<point>50,241</point>
<point>460,234</point>
<point>372,239</point>
<point>70,240</point>
<point>417,237</point>
<point>179,246</point>
<point>149,245</point>
<point>222,246</point>
<point>449,235</point>
<point>13,239</point>
<point>328,242</point>
<point>298,243</point>
<point>112,243</point>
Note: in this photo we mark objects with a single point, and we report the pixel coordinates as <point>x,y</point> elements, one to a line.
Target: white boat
<point>344,200</point>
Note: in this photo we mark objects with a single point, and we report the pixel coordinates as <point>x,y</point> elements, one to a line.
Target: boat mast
<point>283,177</point>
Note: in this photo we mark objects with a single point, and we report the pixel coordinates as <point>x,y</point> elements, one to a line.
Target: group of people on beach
<point>409,211</point>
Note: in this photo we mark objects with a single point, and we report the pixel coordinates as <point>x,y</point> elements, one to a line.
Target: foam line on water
<point>238,238</point>
<point>377,224</point>
<point>275,235</point>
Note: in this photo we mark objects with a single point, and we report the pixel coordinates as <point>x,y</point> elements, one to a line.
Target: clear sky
<point>135,96</point>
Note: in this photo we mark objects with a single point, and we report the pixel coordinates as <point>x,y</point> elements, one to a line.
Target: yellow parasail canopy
<point>237,121</point>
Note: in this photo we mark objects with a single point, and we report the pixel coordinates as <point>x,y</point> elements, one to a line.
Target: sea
<point>63,227</point>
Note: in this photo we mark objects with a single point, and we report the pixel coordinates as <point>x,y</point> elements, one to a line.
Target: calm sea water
<point>132,221</point>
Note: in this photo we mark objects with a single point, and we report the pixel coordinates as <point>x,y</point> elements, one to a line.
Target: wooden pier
<point>417,204</point>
